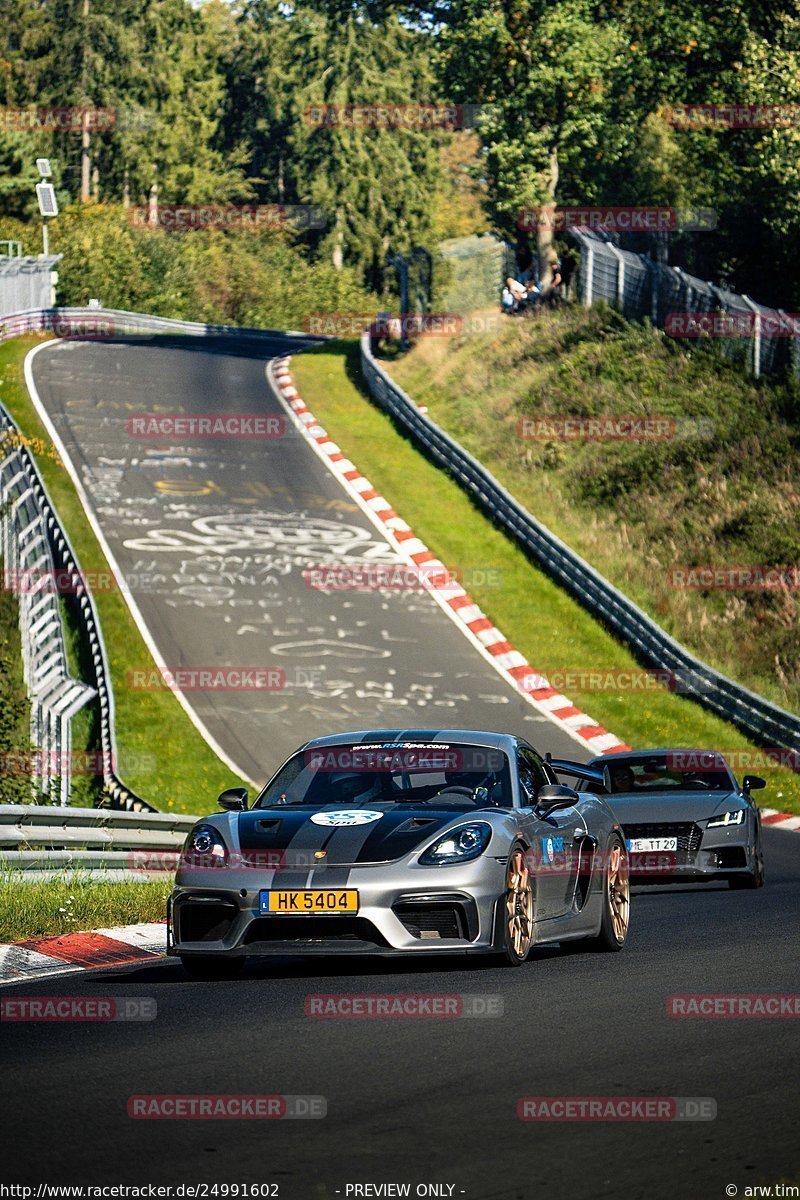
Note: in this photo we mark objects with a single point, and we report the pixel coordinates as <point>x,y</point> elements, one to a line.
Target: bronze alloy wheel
<point>615,918</point>
<point>618,891</point>
<point>519,908</point>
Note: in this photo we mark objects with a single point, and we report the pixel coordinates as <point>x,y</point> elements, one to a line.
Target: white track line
<point>135,612</point>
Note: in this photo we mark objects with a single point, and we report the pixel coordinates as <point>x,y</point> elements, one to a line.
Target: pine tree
<point>376,185</point>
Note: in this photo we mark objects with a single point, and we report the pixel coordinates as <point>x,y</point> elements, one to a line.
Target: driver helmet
<point>355,785</point>
<point>622,778</point>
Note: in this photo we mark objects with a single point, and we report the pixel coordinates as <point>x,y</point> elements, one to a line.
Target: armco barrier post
<point>756,336</point>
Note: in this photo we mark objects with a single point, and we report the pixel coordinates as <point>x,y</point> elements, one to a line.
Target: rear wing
<point>564,766</point>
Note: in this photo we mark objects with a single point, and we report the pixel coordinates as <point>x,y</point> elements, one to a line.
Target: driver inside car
<point>622,779</point>
<point>355,788</point>
<point>461,779</point>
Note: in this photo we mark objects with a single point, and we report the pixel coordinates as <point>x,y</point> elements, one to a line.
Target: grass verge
<point>550,629</point>
<point>15,709</point>
<point>718,486</point>
<point>162,756</point>
<point>59,906</point>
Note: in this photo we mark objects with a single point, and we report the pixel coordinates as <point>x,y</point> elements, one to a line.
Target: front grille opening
<point>730,856</point>
<point>434,920</point>
<point>204,921</point>
<point>688,834</point>
<point>313,931</point>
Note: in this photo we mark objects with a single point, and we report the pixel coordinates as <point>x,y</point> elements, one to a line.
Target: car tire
<point>516,909</point>
<point>212,966</point>
<point>615,921</point>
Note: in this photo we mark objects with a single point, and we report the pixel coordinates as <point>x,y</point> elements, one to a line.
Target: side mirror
<point>753,783</point>
<point>234,799</point>
<point>553,797</point>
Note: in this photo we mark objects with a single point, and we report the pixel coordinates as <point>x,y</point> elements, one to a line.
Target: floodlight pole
<point>45,238</point>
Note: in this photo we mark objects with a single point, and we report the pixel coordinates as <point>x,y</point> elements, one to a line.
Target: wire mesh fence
<point>469,273</point>
<point>25,282</point>
<point>764,340</point>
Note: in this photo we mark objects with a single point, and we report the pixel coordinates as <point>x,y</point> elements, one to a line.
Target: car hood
<point>384,832</point>
<point>666,807</point>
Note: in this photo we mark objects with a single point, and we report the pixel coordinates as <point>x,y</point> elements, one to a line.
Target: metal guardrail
<point>102,323</point>
<point>48,549</point>
<point>42,842</point>
<point>767,722</point>
<point>29,572</point>
<point>35,541</point>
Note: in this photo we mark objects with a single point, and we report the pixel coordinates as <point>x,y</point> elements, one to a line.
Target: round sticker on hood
<point>347,816</point>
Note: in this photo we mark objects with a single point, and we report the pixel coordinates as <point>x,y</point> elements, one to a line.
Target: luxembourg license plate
<point>648,845</point>
<point>314,901</point>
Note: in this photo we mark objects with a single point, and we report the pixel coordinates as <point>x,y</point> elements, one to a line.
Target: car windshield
<point>676,770</point>
<point>396,773</point>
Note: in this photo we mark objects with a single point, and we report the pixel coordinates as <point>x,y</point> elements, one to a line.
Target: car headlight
<point>203,847</point>
<point>458,845</point>
<point>729,818</point>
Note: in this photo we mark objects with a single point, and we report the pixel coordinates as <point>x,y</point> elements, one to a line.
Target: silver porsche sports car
<point>402,841</point>
<point>685,817</point>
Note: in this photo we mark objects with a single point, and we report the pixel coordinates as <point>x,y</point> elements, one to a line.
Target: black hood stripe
<point>398,831</point>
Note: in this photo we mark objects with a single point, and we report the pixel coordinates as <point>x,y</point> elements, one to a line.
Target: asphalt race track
<point>409,1101</point>
<point>434,1100</point>
<point>214,539</point>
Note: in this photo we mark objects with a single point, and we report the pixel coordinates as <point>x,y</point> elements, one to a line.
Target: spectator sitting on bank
<point>533,294</point>
<point>514,295</point>
<point>519,291</point>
